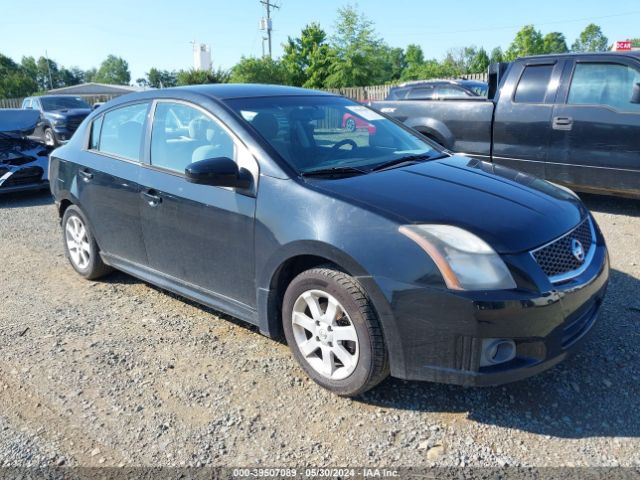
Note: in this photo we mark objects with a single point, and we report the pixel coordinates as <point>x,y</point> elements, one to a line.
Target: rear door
<point>107,181</point>
<point>521,131</point>
<point>595,139</point>
<point>198,234</point>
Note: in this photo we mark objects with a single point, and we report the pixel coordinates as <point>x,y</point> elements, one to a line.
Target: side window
<point>26,103</point>
<point>94,141</point>
<point>608,84</point>
<point>182,135</point>
<point>35,104</point>
<point>122,131</point>
<point>421,93</point>
<point>532,87</point>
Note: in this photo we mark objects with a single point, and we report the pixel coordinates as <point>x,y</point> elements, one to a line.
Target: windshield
<point>62,103</point>
<point>325,132</point>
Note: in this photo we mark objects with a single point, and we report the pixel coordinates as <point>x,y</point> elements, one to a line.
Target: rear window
<point>533,84</point>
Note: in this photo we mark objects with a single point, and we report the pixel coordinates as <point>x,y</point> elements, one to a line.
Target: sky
<point>157,33</point>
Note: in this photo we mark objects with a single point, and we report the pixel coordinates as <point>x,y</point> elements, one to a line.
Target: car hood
<point>510,210</point>
<point>21,122</point>
<point>68,112</point>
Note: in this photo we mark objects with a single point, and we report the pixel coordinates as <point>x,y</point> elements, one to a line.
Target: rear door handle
<point>562,123</point>
<point>85,174</point>
<point>152,197</point>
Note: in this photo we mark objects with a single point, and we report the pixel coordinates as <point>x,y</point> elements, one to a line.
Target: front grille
<point>74,122</point>
<point>557,258</point>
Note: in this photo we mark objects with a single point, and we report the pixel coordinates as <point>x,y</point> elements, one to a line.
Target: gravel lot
<point>118,372</point>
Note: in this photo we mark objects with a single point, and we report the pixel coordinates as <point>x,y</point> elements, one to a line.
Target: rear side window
<point>421,92</point>
<point>451,91</point>
<point>533,84</point>
<point>26,103</point>
<point>122,131</point>
<point>609,84</point>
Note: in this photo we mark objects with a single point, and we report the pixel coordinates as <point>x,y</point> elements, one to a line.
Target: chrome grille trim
<point>566,276</point>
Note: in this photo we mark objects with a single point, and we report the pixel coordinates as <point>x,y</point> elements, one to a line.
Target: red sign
<point>624,45</point>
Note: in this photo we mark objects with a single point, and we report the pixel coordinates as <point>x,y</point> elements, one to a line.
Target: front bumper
<point>439,333</point>
<point>28,187</point>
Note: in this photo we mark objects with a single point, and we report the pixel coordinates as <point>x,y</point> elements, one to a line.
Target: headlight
<point>60,122</point>
<point>465,261</point>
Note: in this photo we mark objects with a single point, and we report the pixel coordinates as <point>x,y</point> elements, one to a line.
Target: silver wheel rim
<point>325,335</point>
<point>351,125</point>
<point>48,138</point>
<point>77,242</point>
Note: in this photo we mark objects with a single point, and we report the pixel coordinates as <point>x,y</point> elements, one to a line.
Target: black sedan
<point>373,251</point>
<point>23,162</point>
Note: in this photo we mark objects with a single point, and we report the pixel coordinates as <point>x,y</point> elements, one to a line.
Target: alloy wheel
<point>78,242</point>
<point>325,335</point>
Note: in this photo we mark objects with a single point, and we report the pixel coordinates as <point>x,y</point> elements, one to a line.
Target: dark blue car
<point>372,251</point>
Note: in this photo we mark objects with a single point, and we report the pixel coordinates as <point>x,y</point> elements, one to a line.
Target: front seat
<point>267,125</point>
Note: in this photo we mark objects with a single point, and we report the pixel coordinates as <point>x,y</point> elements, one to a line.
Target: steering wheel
<point>342,143</point>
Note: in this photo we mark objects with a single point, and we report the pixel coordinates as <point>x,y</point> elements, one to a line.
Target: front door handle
<point>85,174</point>
<point>152,197</point>
<point>562,123</point>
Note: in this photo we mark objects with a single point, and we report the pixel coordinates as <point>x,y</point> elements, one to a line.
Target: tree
<point>480,62</point>
<point>90,75</point>
<point>259,70</point>
<point>591,40</point>
<point>554,42</point>
<point>113,70</point>
<point>198,77</point>
<point>163,78</point>
<point>528,41</point>
<point>307,58</point>
<point>15,81</point>
<point>497,56</point>
<point>360,53</point>
<point>414,55</point>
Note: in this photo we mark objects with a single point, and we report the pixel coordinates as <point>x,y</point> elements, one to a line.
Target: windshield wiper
<point>344,170</point>
<point>396,162</point>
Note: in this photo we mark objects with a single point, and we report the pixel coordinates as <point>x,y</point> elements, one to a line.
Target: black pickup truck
<point>573,119</point>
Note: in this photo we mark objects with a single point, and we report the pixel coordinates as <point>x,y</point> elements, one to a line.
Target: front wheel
<point>50,138</point>
<point>79,245</point>
<point>333,332</point>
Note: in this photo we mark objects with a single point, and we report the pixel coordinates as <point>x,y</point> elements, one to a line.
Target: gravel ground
<point>118,372</point>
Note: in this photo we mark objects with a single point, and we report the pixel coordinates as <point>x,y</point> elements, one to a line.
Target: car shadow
<point>25,199</point>
<point>609,204</point>
<point>595,392</point>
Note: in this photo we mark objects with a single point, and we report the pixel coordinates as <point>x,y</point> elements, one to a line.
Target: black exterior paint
<point>226,248</point>
<point>599,153</point>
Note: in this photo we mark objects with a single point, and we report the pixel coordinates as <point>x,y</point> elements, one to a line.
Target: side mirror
<point>635,95</point>
<point>218,172</point>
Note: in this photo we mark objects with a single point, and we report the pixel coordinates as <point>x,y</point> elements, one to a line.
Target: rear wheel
<point>350,125</point>
<point>79,245</point>
<point>333,332</point>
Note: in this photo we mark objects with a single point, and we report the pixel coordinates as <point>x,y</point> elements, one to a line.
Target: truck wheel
<point>50,138</point>
<point>80,247</point>
<point>333,331</point>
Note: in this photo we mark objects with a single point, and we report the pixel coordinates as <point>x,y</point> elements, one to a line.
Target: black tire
<point>95,267</point>
<point>50,137</point>
<point>372,363</point>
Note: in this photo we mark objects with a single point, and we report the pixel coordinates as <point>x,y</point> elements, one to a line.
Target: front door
<point>596,128</point>
<point>523,112</point>
<point>200,235</point>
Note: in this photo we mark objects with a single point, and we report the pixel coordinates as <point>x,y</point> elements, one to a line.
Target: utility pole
<point>46,55</point>
<point>266,23</point>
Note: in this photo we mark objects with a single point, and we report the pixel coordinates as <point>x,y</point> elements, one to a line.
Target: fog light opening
<point>497,350</point>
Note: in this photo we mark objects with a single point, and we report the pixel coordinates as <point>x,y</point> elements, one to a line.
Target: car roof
<point>628,53</point>
<point>462,82</point>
